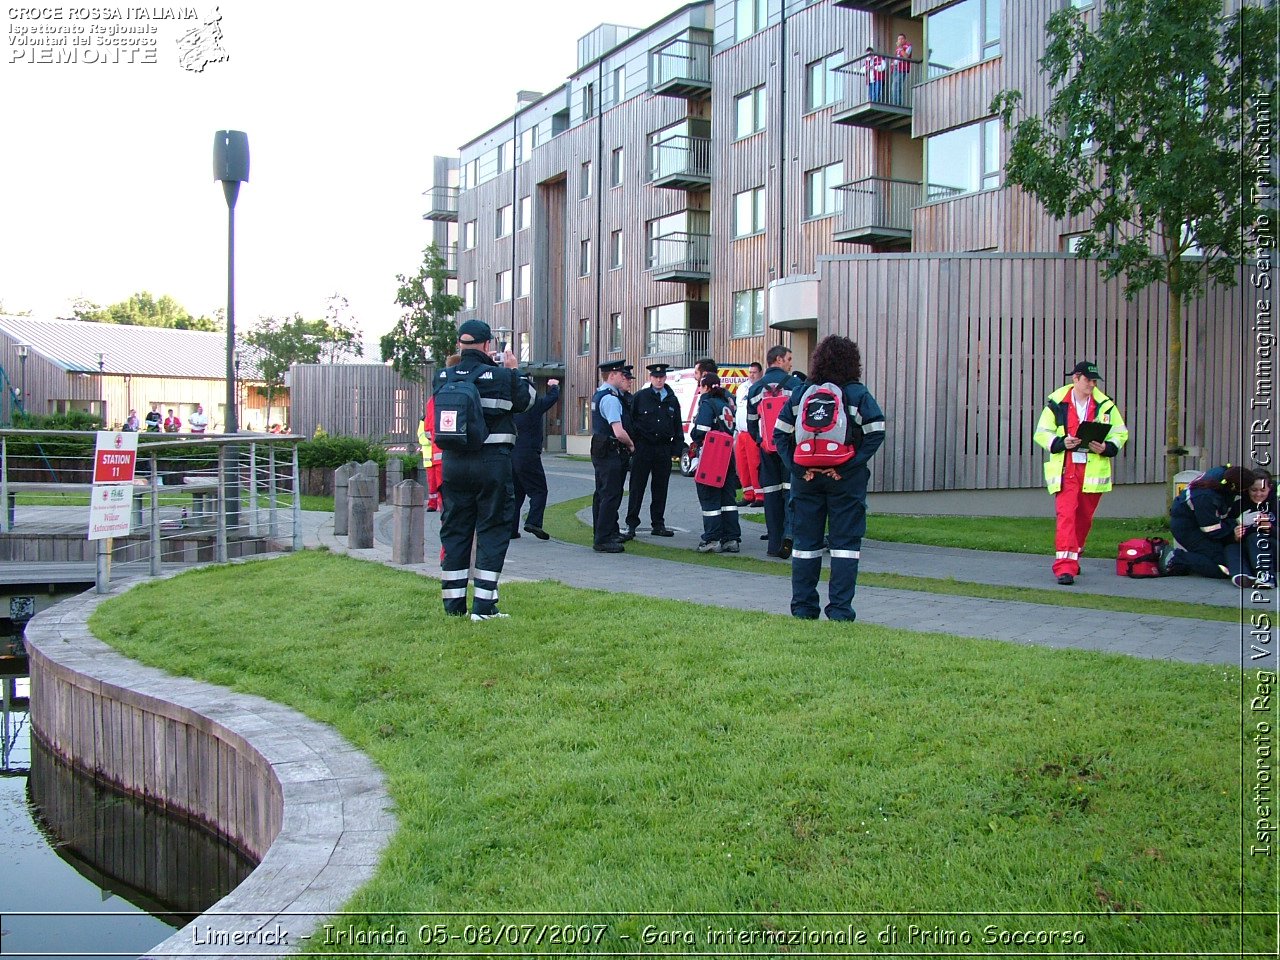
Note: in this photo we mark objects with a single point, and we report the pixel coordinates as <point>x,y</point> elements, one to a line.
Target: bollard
<point>341,479</point>
<point>407,538</point>
<point>362,504</point>
<point>370,469</point>
<point>395,472</point>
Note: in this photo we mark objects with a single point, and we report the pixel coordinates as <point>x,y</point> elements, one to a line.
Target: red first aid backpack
<point>824,433</point>
<point>1140,558</point>
<point>713,462</point>
<point>770,404</point>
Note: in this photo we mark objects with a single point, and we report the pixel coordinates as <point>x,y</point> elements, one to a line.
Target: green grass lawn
<point>601,754</point>
<point>309,502</point>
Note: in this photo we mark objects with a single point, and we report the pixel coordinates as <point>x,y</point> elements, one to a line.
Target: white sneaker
<point>1264,582</point>
<point>1243,581</point>
<point>477,617</point>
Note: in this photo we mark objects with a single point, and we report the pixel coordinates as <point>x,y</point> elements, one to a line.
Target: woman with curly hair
<point>834,493</point>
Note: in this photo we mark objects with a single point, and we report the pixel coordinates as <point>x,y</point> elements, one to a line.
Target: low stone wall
<point>284,789</point>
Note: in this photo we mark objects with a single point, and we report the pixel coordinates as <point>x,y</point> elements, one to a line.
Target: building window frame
<point>469,235</point>
<point>753,105</point>
<point>749,18</point>
<point>617,166</point>
<point>821,198</point>
<point>823,84</point>
<point>502,280</point>
<point>524,213</point>
<point>748,305</point>
<point>584,258</point>
<point>503,220</point>
<point>985,15</point>
<point>524,280</point>
<point>616,339</point>
<point>584,180</point>
<point>750,214</point>
<point>986,149</point>
<point>615,250</point>
<point>469,295</point>
<point>584,337</point>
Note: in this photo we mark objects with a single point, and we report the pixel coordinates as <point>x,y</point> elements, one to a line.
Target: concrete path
<point>1157,637</point>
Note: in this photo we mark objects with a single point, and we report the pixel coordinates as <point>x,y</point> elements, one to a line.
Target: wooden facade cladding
<point>961,352</point>
<point>957,98</point>
<point>358,400</point>
<point>970,223</point>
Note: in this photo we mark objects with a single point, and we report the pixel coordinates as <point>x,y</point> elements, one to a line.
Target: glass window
<point>619,84</point>
<point>523,281</point>
<point>469,295</point>
<point>748,313</point>
<point>750,113</point>
<point>506,155</point>
<point>824,85</point>
<point>615,333</point>
<point>962,34</point>
<point>584,258</point>
<point>503,222</point>
<point>584,337</point>
<point>616,167</point>
<point>584,414</point>
<point>821,198</point>
<point>588,101</point>
<point>748,212</point>
<point>615,249</point>
<point>504,286</point>
<point>524,145</point>
<point>469,235</point>
<point>748,18</point>
<point>666,328</point>
<point>584,181</point>
<point>963,160</point>
<point>524,213</point>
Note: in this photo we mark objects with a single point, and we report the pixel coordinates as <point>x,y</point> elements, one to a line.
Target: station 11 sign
<point>110,504</point>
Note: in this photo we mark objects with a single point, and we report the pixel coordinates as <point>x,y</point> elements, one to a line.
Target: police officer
<point>775,478</point>
<point>477,485</point>
<point>610,446</point>
<point>526,464</point>
<point>657,429</point>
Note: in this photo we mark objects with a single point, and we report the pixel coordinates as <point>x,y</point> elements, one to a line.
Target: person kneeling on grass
<point>1258,528</point>
<point>1203,521</point>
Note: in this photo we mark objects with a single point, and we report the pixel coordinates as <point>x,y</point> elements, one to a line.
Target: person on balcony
<point>900,71</point>
<point>875,76</point>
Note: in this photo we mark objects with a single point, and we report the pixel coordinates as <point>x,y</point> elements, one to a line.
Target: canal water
<point>89,871</point>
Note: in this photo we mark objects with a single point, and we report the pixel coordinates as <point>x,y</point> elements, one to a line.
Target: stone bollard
<point>395,471</point>
<point>341,480</point>
<point>407,538</point>
<point>370,469</point>
<point>362,504</point>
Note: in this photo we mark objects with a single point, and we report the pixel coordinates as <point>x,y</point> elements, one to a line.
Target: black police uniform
<point>658,431</point>
<point>526,462</point>
<point>478,489</point>
<point>608,456</point>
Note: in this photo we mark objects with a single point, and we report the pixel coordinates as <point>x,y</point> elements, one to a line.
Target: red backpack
<point>1140,558</point>
<point>824,433</point>
<point>770,404</point>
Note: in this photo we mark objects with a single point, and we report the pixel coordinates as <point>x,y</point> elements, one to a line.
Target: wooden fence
<point>355,400</point>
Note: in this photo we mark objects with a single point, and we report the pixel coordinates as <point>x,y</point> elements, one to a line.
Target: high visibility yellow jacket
<point>1052,430</point>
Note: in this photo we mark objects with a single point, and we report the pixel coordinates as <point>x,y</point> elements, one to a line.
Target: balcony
<point>680,257</point>
<point>681,163</point>
<point>442,204</point>
<point>681,68</point>
<point>878,210</point>
<point>450,254</point>
<point>890,8</point>
<point>879,92</point>
<point>677,348</point>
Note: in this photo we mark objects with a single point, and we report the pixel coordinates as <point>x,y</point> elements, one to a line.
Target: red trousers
<point>1075,518</point>
<point>746,456</point>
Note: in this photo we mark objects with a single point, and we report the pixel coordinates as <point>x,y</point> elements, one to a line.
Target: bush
<point>409,462</point>
<point>331,452</point>
<point>68,446</point>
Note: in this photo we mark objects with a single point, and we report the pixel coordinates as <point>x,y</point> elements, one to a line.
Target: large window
<point>821,198</point>
<point>748,17</point>
<point>503,279</point>
<point>823,85</point>
<point>750,113</point>
<point>962,34</point>
<point>502,224</point>
<point>963,160</point>
<point>748,313</point>
<point>748,212</point>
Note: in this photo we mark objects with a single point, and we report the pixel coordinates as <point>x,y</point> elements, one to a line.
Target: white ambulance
<point>684,383</point>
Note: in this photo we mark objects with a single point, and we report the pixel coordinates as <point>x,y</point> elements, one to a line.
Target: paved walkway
<point>1151,636</point>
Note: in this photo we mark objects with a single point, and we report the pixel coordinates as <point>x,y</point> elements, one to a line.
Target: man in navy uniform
<point>775,478</point>
<point>610,446</point>
<point>526,464</point>
<point>658,433</point>
<point>478,490</point>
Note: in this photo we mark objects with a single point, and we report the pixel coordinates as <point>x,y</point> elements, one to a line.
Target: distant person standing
<point>198,422</point>
<point>900,70</point>
<point>526,464</point>
<point>721,529</point>
<point>746,452</point>
<point>875,76</point>
<point>610,445</point>
<point>1077,472</point>
<point>172,424</point>
<point>131,422</point>
<point>658,433</point>
<point>775,478</point>
<point>154,420</point>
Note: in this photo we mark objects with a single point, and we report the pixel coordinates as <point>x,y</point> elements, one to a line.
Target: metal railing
<point>450,254</point>
<point>680,61</point>
<point>881,80</point>
<point>442,202</point>
<point>680,156</point>
<point>879,203</point>
<point>677,347</point>
<point>680,252</point>
<point>943,191</point>
<point>197,499</point>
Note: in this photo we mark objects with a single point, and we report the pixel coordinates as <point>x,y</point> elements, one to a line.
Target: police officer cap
<point>474,331</point>
<point>614,366</point>
<point>1088,368</point>
<point>658,369</point>
<point>629,372</point>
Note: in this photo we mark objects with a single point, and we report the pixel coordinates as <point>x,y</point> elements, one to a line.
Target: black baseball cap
<point>1088,368</point>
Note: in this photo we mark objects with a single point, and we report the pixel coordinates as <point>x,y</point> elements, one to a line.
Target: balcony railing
<point>683,163</point>
<point>679,348</point>
<point>682,257</point>
<point>442,204</point>
<point>878,210</point>
<point>934,192</point>
<point>681,68</point>
<point>450,254</point>
<point>879,91</point>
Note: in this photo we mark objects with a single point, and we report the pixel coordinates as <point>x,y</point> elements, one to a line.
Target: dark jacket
<point>503,393</point>
<point>1210,507</point>
<point>714,413</point>
<point>529,429</point>
<point>656,421</point>
<point>787,381</point>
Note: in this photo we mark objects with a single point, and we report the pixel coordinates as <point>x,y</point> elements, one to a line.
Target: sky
<point>107,161</point>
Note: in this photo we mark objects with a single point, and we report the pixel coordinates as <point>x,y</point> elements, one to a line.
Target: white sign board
<point>111,503</point>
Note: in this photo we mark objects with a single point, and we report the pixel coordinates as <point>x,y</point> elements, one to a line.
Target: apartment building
<point>746,172</point>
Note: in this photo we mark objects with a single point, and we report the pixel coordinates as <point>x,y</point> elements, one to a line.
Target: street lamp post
<point>22,363</point>
<point>102,390</point>
<point>231,168</point>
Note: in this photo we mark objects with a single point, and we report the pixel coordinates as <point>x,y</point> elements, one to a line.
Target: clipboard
<point>1090,430</point>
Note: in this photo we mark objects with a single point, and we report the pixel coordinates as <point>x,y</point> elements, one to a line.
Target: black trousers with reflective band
<point>479,499</point>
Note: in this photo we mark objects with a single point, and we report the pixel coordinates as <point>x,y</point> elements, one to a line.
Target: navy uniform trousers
<point>650,460</point>
<point>610,463</point>
<point>1202,554</point>
<point>840,506</point>
<point>720,509</point>
<point>775,484</point>
<point>479,496</point>
<point>530,481</point>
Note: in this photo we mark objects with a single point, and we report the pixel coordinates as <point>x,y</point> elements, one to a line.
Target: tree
<point>278,344</point>
<point>144,310</point>
<point>1149,131</point>
<point>426,330</point>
